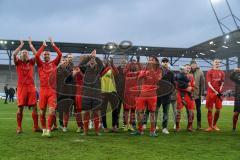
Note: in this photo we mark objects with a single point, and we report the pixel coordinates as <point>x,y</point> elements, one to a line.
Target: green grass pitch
<point>223,145</point>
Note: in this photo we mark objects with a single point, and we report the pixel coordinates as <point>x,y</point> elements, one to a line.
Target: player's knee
<point>152,112</point>
<point>140,111</point>
<point>42,111</point>
<point>34,109</point>
<point>52,111</point>
<point>20,110</point>
<point>209,110</point>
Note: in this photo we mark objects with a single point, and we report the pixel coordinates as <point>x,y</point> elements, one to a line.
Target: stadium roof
<point>224,46</point>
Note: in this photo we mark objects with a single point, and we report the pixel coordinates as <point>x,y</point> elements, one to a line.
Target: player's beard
<point>151,66</point>
<point>193,69</point>
<point>216,67</point>
<point>46,59</point>
<point>25,58</point>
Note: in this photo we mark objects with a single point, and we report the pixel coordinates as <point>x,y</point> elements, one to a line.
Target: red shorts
<point>190,104</point>
<point>26,96</point>
<point>47,97</point>
<point>78,100</point>
<point>129,101</point>
<point>212,99</point>
<point>150,102</point>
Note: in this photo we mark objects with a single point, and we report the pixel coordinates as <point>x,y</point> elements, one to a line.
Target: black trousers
<point>64,104</point>
<point>165,103</point>
<point>6,98</point>
<point>113,99</point>
<point>198,107</point>
<point>11,99</point>
<point>119,110</point>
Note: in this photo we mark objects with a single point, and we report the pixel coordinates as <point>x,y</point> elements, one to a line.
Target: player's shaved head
<point>216,63</point>
<point>24,55</point>
<point>46,56</point>
<point>69,57</point>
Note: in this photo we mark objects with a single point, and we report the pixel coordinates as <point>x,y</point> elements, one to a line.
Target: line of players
<point>94,83</point>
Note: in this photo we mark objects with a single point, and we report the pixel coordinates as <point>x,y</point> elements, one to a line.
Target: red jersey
<point>149,80</point>
<point>25,71</point>
<point>216,78</point>
<point>47,70</point>
<point>131,78</point>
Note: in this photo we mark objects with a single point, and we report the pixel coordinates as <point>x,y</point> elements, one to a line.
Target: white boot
<point>165,131</point>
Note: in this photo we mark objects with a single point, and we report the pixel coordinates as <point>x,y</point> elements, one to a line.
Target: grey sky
<point>170,23</point>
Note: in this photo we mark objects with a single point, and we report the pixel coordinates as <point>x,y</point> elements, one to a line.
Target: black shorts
<point>91,103</point>
<point>164,100</point>
<point>237,106</point>
<point>65,103</point>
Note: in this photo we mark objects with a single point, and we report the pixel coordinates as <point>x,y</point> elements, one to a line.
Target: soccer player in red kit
<point>78,98</point>
<point>185,87</point>
<point>130,72</point>
<point>147,86</point>
<point>26,93</point>
<point>47,75</point>
<point>215,80</point>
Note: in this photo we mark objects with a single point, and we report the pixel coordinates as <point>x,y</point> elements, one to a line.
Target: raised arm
<point>34,51</point>
<point>59,53</point>
<point>100,65</point>
<point>39,52</point>
<point>83,63</point>
<point>16,51</point>
<point>98,61</point>
<point>114,68</point>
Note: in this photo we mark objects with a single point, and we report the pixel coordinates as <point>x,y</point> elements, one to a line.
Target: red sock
<point>86,121</point>
<point>190,124</point>
<point>152,128</point>
<point>19,120</point>
<point>178,120</point>
<point>132,116</point>
<point>140,127</point>
<point>50,121</point>
<point>35,120</point>
<point>210,118</point>
<point>216,116</point>
<point>235,119</point>
<point>65,119</point>
<point>190,119</point>
<point>140,119</point>
<point>43,121</point>
<point>125,117</point>
<point>78,119</point>
<point>96,122</point>
<point>152,121</point>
